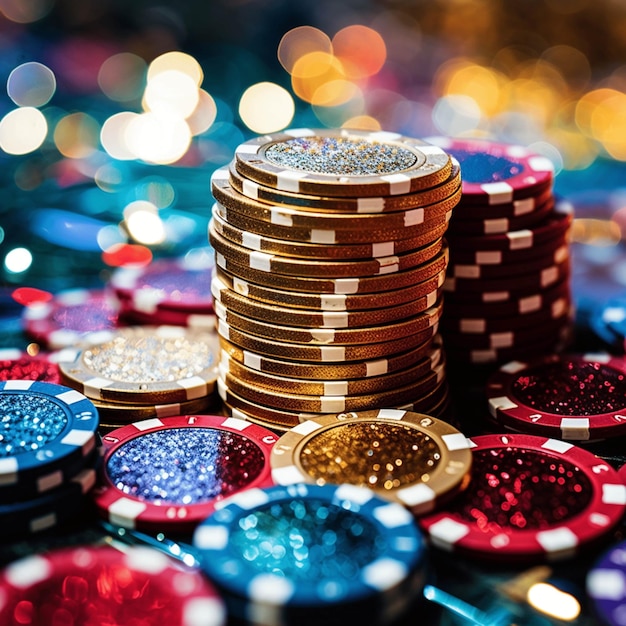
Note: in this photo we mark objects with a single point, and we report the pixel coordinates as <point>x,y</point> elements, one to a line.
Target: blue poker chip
<point>606,585</point>
<point>308,554</point>
<point>47,511</point>
<point>45,430</point>
<point>608,321</point>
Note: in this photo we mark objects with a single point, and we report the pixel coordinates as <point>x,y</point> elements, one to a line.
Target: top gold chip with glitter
<point>343,162</point>
<point>409,457</point>
<point>146,365</point>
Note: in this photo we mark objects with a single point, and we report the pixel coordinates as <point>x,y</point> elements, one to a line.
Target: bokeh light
<point>203,116</point>
<point>22,130</point>
<point>171,93</point>
<point>360,49</point>
<point>31,84</point>
<point>157,138</point>
<point>301,41</point>
<point>177,62</point>
<point>266,107</point>
<point>25,11</point>
<point>113,135</point>
<point>77,135</point>
<point>121,77</point>
<point>143,223</point>
<point>18,260</point>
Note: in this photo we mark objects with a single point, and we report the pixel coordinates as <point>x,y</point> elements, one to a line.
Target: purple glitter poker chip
<point>572,397</point>
<point>529,499</point>
<point>167,474</point>
<point>172,284</point>
<point>606,585</point>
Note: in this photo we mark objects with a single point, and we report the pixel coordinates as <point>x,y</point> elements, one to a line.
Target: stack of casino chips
<point>330,261</point>
<point>507,289</point>
<point>49,451</point>
<point>142,372</point>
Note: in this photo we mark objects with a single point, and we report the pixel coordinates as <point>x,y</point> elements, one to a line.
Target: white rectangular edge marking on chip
<point>419,497</point>
<point>383,249</point>
<point>558,542</point>
<point>549,276</point>
<point>261,261</point>
<point>203,612</point>
<point>391,414</point>
<point>332,353</point>
<point>447,532</point>
<point>472,325</point>
<point>501,402</point>
<point>398,184</point>
<point>250,189</point>
<point>513,367</point>
<point>530,304</point>
<point>211,538</point>
<point>322,335</point>
<point>336,388</point>
<point>251,241</point>
<point>125,509</point>
<point>194,386</point>
<point>489,257</point>
<point>523,206</point>
<point>495,226</point>
<point>614,494</point>
<point>332,404</point>
<point>8,471</point>
<point>288,180</point>
<point>49,481</point>
<point>144,425</point>
<point>520,239</point>
<point>18,385</point>
<point>319,235</point>
<point>280,217</point>
<point>335,319</point>
<point>332,302</point>
<point>540,164</point>
<point>247,148</point>
<point>556,445</point>
<point>289,475</point>
<point>414,217</point>
<point>499,193</point>
<point>346,286</point>
<point>575,428</point>
<point>375,368</point>
<point>268,594</point>
<point>608,584</point>
<point>236,424</point>
<point>457,441</point>
<point>77,438</point>
<point>370,205</point>
<point>393,515</point>
<point>253,361</point>
<point>299,132</point>
<point>248,499</point>
<point>41,523</point>
<point>384,573</point>
<point>346,491</point>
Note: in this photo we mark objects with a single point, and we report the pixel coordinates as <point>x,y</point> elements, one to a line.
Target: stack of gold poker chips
<point>145,372</point>
<point>330,261</point>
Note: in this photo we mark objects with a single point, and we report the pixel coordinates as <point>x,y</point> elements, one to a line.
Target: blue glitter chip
<point>44,429</point>
<point>302,553</point>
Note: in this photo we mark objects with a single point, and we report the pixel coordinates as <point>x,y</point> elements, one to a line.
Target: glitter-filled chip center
<point>149,359</point>
<point>486,168</point>
<point>185,465</point>
<point>572,388</point>
<point>307,540</point>
<point>28,422</point>
<point>347,156</point>
<point>378,455</point>
<point>515,489</point>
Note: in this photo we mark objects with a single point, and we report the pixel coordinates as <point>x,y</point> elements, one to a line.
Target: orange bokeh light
<point>361,50</point>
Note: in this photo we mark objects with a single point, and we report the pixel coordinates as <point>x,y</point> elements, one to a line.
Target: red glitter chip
<point>572,397</point>
<point>167,474</point>
<point>529,499</point>
<point>104,585</point>
<point>16,364</point>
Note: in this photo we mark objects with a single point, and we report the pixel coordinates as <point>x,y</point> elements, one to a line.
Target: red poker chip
<point>514,306</point>
<point>167,474</point>
<point>181,284</point>
<point>69,317</point>
<point>622,473</point>
<point>529,499</point>
<point>527,266</point>
<point>106,585</point>
<point>166,317</point>
<point>460,226</point>
<point>465,210</point>
<point>573,397</point>
<point>497,173</point>
<point>15,364</point>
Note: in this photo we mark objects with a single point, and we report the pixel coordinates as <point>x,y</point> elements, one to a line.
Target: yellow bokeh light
<point>266,107</point>
<point>143,223</point>
<point>313,70</point>
<point>553,602</point>
<point>158,138</point>
<point>171,93</point>
<point>362,122</point>
<point>113,135</point>
<point>300,41</point>
<point>178,62</point>
<point>22,130</point>
<point>203,115</point>
<point>587,106</point>
<point>335,93</point>
<point>360,49</point>
<point>25,12</point>
<point>76,135</point>
<point>121,77</point>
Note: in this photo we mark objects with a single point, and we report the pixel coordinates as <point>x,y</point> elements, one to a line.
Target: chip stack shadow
<point>507,289</point>
<point>330,262</point>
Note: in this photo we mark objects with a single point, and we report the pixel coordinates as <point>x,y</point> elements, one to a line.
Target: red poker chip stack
<point>507,293</point>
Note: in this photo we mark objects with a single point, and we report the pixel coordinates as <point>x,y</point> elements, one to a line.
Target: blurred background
<point>114,113</point>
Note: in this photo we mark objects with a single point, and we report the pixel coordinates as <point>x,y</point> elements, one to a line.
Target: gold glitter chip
<point>409,457</point>
<point>146,365</point>
<point>343,162</point>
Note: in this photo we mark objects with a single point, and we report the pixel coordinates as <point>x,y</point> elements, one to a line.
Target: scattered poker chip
<point>342,162</point>
<point>167,317</point>
<point>605,585</point>
<point>529,499</point>
<point>572,397</point>
<point>473,211</point>
<point>433,260</point>
<point>342,204</point>
<point>168,474</point>
<point>47,510</point>
<point>48,431</point>
<point>69,317</point>
<point>365,556</point>
<point>179,284</point>
<point>330,302</point>
<point>607,320</point>
<point>497,225</point>
<point>495,173</point>
<point>107,585</point>
<point>16,364</point>
<point>272,245</point>
<point>414,459</point>
<point>359,369</point>
<point>146,365</point>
